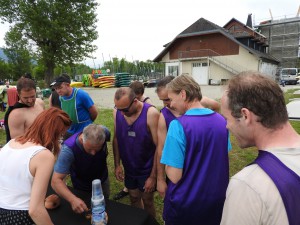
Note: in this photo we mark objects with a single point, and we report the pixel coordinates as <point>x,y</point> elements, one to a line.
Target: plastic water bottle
<point>98,204</point>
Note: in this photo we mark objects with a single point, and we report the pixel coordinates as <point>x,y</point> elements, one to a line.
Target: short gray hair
<point>93,133</point>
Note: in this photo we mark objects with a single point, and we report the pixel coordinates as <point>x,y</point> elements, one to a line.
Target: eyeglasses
<point>127,108</point>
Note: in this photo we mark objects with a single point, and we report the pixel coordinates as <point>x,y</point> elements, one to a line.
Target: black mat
<point>118,213</point>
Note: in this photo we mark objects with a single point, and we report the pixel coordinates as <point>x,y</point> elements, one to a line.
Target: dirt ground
<point>104,98</point>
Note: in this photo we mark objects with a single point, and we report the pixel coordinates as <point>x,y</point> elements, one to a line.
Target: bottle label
<point>98,216</point>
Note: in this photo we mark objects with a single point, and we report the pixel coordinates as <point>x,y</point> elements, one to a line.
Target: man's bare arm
<point>59,186</point>
<point>93,112</point>
<point>161,137</point>
<point>16,123</point>
<point>152,123</point>
<point>117,161</point>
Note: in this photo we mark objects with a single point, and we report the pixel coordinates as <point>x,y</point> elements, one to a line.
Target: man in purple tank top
<point>134,143</point>
<point>267,191</point>
<point>83,157</point>
<point>196,158</point>
<point>166,116</point>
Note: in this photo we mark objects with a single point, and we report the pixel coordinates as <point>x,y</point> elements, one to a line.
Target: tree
<point>61,31</point>
<point>4,70</point>
<point>17,53</point>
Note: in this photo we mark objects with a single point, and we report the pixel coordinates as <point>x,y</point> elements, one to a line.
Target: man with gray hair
<point>83,156</point>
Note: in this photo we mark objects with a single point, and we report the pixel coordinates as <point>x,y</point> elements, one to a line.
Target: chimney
<point>249,20</point>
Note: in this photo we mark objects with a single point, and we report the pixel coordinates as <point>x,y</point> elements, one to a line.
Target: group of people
<point>181,151</point>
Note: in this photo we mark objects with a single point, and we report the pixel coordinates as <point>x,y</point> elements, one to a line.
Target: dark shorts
<point>13,217</point>
<point>135,183</point>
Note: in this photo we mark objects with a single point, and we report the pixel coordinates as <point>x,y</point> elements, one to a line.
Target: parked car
<point>289,75</point>
<point>151,83</point>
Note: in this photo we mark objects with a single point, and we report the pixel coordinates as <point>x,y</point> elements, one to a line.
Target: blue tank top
<point>86,167</point>
<point>135,144</point>
<point>199,195</point>
<point>168,115</point>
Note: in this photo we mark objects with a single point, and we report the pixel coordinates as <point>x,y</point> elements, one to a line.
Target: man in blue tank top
<point>83,156</point>
<point>134,143</point>
<point>196,158</point>
<point>267,191</point>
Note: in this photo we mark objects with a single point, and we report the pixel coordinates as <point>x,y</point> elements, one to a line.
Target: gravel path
<point>104,98</point>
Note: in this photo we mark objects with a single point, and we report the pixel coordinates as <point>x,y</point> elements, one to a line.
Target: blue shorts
<point>135,183</point>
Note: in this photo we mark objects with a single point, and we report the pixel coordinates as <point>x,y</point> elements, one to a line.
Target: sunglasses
<point>127,108</point>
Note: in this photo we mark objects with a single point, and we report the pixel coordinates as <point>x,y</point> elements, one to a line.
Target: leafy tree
<point>61,31</point>
<point>4,70</point>
<point>17,53</point>
<point>38,71</point>
<point>82,69</point>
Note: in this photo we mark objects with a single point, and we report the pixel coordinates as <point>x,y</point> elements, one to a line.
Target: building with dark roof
<point>213,54</point>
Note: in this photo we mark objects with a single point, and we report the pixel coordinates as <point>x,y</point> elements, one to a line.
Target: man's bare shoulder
<point>17,112</point>
<point>40,102</point>
<point>153,111</point>
<point>152,116</point>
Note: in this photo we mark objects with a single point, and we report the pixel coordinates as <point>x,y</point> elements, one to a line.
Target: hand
<point>78,205</point>
<point>150,184</point>
<point>119,173</point>
<point>161,187</point>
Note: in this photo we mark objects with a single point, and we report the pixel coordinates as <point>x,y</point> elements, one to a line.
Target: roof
<point>244,25</point>
<point>202,27</point>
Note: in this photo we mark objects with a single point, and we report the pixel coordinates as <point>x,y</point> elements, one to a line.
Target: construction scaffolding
<point>283,39</point>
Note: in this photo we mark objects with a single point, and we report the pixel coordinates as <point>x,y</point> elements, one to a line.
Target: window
<point>173,70</point>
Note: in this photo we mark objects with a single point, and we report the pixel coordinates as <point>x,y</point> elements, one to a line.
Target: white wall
<point>268,69</point>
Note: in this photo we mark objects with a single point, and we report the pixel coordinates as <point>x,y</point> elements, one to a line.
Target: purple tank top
<point>199,196</point>
<point>168,116</point>
<point>286,181</point>
<point>87,167</point>
<point>135,143</point>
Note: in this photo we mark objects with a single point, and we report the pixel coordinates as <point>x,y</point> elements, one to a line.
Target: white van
<point>289,75</point>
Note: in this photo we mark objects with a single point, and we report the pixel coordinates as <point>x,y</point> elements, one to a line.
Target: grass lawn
<point>238,158</point>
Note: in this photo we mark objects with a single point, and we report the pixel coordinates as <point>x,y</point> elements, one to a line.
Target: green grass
<point>238,158</point>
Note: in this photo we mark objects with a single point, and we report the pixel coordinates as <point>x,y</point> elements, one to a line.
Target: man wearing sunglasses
<point>134,143</point>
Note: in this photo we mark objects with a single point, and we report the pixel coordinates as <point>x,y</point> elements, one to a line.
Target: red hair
<point>47,129</point>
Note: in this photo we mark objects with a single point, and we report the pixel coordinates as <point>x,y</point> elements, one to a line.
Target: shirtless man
<point>19,117</point>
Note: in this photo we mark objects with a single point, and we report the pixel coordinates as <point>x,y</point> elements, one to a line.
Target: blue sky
<point>138,29</point>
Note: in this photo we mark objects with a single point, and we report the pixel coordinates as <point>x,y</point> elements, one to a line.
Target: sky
<point>138,29</point>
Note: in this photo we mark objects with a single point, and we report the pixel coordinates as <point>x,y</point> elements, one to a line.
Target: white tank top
<point>15,177</point>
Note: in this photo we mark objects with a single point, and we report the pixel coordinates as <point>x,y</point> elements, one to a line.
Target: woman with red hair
<point>26,166</point>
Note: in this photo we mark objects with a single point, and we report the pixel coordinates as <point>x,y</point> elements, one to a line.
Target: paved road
<point>104,98</point>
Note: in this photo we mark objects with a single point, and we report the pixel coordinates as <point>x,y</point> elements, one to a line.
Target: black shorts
<point>13,217</point>
<point>135,183</point>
